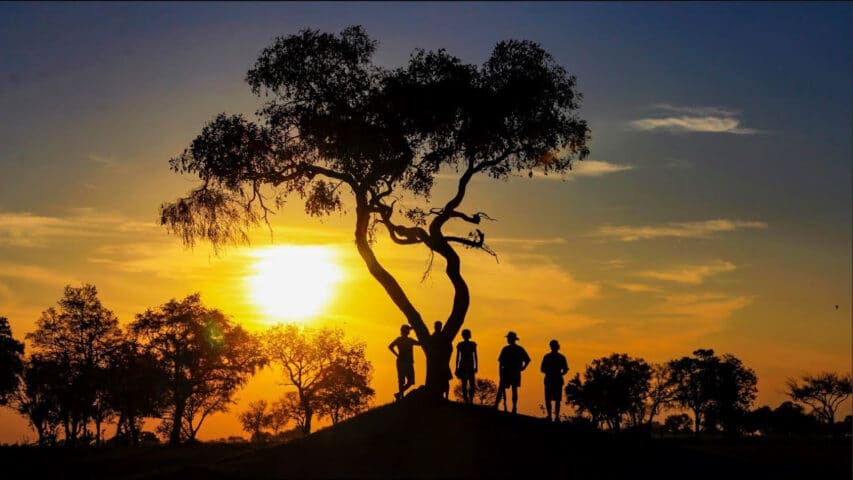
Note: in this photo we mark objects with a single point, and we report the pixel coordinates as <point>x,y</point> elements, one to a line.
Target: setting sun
<point>294,282</point>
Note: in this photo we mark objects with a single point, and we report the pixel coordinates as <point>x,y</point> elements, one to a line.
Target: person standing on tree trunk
<point>511,362</point>
<point>554,366</point>
<point>405,360</point>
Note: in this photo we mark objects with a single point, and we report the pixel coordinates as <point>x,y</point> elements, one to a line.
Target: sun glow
<point>294,282</point>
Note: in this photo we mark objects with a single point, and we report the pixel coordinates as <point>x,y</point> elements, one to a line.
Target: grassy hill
<point>449,440</point>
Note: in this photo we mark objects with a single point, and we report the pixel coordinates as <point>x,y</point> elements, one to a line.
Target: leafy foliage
<point>78,338</point>
<point>823,393</point>
<point>719,390</point>
<point>613,387</point>
<point>335,124</point>
<point>205,356</point>
<point>331,375</point>
<point>485,391</point>
<point>11,362</point>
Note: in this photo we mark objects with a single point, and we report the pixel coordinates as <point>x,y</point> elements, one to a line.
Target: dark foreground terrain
<point>409,440</point>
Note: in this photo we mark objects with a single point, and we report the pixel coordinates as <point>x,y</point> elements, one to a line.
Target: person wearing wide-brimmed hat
<point>511,362</point>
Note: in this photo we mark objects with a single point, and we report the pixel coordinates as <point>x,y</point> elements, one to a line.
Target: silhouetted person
<point>466,365</point>
<point>511,362</point>
<point>441,365</point>
<point>405,360</point>
<point>554,366</point>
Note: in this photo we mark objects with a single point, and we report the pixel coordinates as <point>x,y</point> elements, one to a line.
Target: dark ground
<point>408,440</point>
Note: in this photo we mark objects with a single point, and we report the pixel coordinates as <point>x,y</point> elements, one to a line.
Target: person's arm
<point>525,359</point>
<point>565,368</point>
<point>391,347</point>
<point>542,366</point>
<point>476,362</point>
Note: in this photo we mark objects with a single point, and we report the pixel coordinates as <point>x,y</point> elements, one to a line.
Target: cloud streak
<point>693,119</point>
<point>585,168</point>
<point>25,229</point>
<point>690,274</point>
<point>704,229</point>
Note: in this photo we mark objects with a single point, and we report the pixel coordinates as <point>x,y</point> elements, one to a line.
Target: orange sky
<point>714,210</point>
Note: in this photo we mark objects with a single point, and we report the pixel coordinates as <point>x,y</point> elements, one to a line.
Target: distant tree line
<point>179,362</point>
<point>620,392</point>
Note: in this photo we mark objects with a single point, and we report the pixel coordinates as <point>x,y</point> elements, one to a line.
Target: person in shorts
<point>405,360</point>
<point>511,362</point>
<point>554,366</point>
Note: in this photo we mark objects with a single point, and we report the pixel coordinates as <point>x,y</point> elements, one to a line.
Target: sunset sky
<point>713,212</point>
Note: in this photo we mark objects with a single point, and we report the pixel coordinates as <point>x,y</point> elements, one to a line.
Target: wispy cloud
<point>585,168</point>
<point>109,162</point>
<point>34,274</point>
<point>637,288</point>
<point>693,119</point>
<point>705,229</point>
<point>25,229</point>
<point>690,274</point>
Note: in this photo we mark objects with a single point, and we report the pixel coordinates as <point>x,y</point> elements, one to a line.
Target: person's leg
<point>471,387</point>
<point>548,403</point>
<point>514,397</point>
<point>557,409</point>
<point>401,380</point>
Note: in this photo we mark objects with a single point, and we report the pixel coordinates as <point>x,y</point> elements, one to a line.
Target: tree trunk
<point>696,421</point>
<point>438,349</point>
<point>177,420</point>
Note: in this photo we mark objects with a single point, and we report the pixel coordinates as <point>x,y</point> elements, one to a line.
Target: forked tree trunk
<point>437,350</point>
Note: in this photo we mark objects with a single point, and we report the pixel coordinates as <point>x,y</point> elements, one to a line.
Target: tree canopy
<point>335,124</point>
<point>205,356</point>
<point>11,361</point>
<point>331,374</point>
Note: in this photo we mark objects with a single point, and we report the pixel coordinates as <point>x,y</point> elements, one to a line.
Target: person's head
<point>555,345</point>
<point>437,326</point>
<point>466,334</point>
<point>511,338</point>
<point>404,330</point>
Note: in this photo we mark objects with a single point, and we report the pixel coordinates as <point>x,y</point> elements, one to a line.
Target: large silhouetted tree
<point>79,337</point>
<point>336,125</point>
<point>823,393</point>
<point>331,375</point>
<point>11,361</point>
<point>613,388</point>
<point>718,390</point>
<point>205,356</point>
<point>39,396</point>
<point>137,387</point>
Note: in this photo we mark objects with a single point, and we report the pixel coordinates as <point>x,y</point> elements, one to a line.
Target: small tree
<point>680,423</point>
<point>823,393</point>
<point>345,389</point>
<point>614,387</point>
<point>205,356</point>
<point>11,361</point>
<point>331,375</point>
<point>485,391</point>
<point>255,419</point>
<point>336,125</point>
<point>289,406</point>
